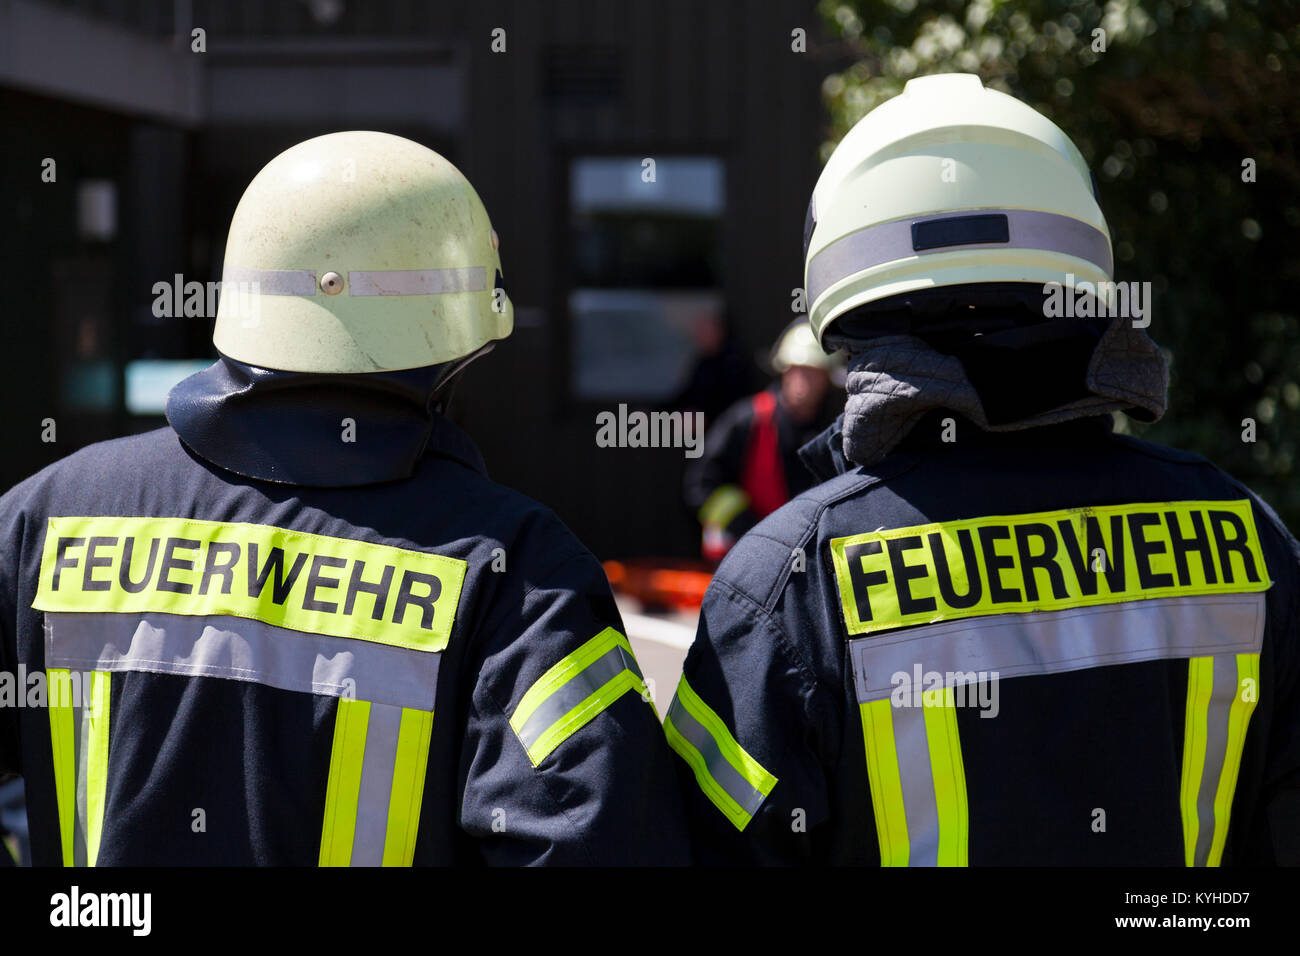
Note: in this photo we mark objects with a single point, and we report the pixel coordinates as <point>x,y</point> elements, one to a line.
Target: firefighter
<point>999,632</point>
<point>301,625</point>
<point>750,466</point>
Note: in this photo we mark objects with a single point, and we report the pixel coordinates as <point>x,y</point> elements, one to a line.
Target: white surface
<point>660,644</point>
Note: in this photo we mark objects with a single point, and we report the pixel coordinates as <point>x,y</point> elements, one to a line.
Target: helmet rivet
<point>331,283</point>
<point>496,242</point>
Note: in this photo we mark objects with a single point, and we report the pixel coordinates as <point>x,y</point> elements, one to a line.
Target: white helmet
<point>359,252</point>
<point>798,346</point>
<point>947,184</point>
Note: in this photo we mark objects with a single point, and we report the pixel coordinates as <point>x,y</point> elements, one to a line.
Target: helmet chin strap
<point>449,377</point>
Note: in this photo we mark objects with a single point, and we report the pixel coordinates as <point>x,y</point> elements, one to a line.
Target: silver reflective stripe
<point>81,743</point>
<point>376,785</point>
<point>372,282</point>
<point>273,281</point>
<point>737,787</point>
<point>917,780</point>
<point>575,690</point>
<point>237,648</point>
<point>418,281</point>
<point>1224,692</point>
<point>892,241</point>
<point>1053,642</point>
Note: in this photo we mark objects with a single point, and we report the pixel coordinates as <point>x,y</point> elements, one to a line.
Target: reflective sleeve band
<point>1221,695</point>
<point>97,716</point>
<point>344,785</point>
<point>409,766</point>
<point>734,782</point>
<point>917,780</point>
<point>722,507</point>
<point>63,739</point>
<point>78,703</point>
<point>575,692</point>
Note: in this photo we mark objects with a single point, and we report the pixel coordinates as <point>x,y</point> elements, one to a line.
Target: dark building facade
<point>647,166</point>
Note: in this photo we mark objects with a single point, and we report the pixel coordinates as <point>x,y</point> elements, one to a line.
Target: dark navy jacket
<point>1116,726</point>
<point>234,768</point>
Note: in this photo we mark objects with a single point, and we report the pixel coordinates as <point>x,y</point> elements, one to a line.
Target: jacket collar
<point>824,455</point>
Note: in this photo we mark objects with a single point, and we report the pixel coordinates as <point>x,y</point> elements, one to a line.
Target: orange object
<point>661,582</point>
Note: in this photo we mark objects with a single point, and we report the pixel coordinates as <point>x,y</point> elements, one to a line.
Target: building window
<point>646,285</point>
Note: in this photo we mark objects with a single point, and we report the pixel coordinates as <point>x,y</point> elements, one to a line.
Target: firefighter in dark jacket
<point>301,625</point>
<point>750,466</point>
<point>998,632</point>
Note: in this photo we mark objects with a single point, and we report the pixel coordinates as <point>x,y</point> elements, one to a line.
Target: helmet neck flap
<point>998,364</point>
<point>319,429</point>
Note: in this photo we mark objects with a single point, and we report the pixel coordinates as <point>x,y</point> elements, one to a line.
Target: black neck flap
<point>319,430</point>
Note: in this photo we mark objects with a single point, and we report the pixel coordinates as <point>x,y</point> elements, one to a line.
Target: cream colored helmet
<point>798,346</point>
<point>359,252</point>
<point>949,183</point>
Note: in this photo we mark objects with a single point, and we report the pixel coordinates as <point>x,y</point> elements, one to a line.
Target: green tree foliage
<point>1171,103</point>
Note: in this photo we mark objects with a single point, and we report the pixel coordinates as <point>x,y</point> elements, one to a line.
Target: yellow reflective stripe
<point>575,691</point>
<point>97,716</point>
<point>563,671</point>
<point>1044,561</point>
<point>940,709</point>
<point>721,507</point>
<point>63,741</point>
<point>344,787</point>
<point>719,797</point>
<point>733,781</point>
<point>1200,685</point>
<point>938,833</point>
<point>885,781</point>
<point>409,767</point>
<point>754,772</point>
<point>584,713</point>
<point>1243,705</point>
<point>309,582</point>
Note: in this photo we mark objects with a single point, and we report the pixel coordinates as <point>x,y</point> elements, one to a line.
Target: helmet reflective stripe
<point>893,241</point>
<point>391,282</point>
<point>417,281</point>
<point>273,281</point>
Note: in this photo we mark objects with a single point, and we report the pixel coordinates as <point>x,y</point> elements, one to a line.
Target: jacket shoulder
<point>1166,453</point>
<point>105,461</point>
<point>761,562</point>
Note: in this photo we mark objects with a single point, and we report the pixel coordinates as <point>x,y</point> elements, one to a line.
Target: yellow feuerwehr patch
<point>1046,561</point>
<point>341,587</point>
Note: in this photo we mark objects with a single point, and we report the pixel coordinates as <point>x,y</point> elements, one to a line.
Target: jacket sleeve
<point>1271,834</point>
<point>749,723</point>
<point>565,760</point>
<point>711,485</point>
<point>11,527</point>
